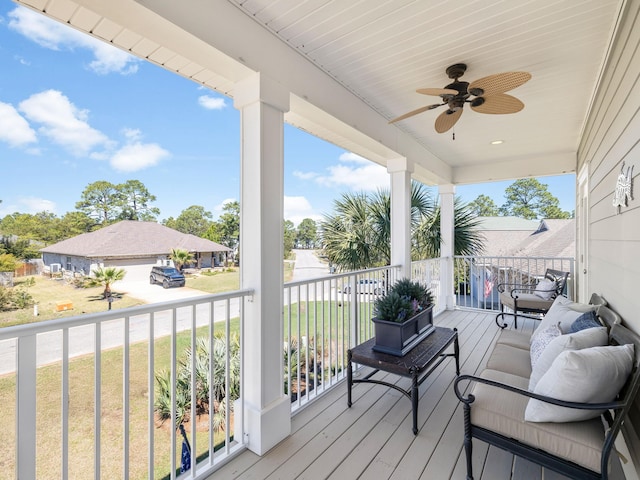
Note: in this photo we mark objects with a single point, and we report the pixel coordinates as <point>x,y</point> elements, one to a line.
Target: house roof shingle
<point>130,238</point>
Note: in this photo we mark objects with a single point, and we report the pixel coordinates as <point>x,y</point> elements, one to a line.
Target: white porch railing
<point>323,318</point>
<point>107,426</point>
<point>476,278</point>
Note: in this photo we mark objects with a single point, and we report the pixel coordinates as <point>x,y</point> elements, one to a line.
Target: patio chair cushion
<point>526,301</point>
<point>541,340</point>
<point>592,337</point>
<point>606,369</point>
<point>546,289</point>
<point>502,411</point>
<point>584,321</point>
<point>510,359</point>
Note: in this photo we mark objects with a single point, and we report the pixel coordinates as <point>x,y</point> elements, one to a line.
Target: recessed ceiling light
<point>497,142</point>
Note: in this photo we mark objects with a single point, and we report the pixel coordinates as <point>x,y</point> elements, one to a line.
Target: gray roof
<point>129,238</point>
<point>529,238</point>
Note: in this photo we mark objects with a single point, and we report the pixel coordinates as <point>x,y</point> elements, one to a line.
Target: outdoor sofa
<point>565,411</point>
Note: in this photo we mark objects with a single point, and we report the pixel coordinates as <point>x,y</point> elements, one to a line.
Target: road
<point>308,266</point>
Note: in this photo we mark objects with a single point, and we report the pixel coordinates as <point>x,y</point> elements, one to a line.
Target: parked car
<point>167,276</point>
<point>366,285</point>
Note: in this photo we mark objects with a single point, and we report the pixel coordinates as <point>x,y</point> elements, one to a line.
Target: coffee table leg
<point>414,401</point>
<point>349,378</point>
<point>456,351</point>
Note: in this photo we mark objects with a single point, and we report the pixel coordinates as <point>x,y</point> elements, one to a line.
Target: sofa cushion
<point>591,337</point>
<point>509,359</point>
<point>502,411</point>
<point>515,338</point>
<point>590,375</point>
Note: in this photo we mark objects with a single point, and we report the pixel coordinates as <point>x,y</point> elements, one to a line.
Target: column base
<point>268,427</point>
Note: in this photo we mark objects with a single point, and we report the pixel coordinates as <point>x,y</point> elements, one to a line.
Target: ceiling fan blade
<point>437,92</point>
<point>499,83</point>
<point>416,111</point>
<point>498,104</point>
<point>447,120</point>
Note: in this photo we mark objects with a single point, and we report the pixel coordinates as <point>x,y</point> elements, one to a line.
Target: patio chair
<point>537,298</point>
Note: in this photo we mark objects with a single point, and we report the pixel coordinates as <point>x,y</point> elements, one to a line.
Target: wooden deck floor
<point>372,440</point>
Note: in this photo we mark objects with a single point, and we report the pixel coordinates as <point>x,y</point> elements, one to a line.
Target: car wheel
<point>347,290</point>
<point>377,291</point>
<point>151,280</point>
<point>165,284</point>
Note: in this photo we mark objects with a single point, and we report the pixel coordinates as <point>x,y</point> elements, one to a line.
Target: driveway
<point>155,293</point>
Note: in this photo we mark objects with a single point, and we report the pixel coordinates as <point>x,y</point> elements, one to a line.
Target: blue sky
<point>74,110</point>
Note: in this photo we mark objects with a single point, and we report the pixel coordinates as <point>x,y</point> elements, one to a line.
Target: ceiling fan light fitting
<point>476,102</point>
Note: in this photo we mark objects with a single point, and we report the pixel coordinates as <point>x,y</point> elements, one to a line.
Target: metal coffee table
<point>418,364</point>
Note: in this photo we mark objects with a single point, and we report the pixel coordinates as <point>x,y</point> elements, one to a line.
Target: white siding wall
<point>612,136</point>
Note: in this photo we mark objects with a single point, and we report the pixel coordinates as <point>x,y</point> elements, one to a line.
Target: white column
<point>400,170</point>
<point>267,409</point>
<point>447,245</point>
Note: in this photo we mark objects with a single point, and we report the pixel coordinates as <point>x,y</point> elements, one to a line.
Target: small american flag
<point>185,458</point>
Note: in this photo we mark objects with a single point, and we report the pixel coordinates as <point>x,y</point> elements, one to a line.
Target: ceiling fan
<point>485,95</point>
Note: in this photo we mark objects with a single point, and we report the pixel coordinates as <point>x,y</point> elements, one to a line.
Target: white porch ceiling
<point>353,65</point>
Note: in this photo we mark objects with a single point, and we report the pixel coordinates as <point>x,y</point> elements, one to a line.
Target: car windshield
<point>170,271</point>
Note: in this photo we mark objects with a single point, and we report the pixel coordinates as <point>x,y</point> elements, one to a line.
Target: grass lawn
<point>46,292</point>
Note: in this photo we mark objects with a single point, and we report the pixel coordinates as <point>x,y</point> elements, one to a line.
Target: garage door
<point>137,269</point>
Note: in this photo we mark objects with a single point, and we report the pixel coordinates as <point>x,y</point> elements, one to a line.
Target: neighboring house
<point>134,246</point>
<point>517,237</point>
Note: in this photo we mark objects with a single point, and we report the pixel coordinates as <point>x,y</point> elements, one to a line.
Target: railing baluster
<point>97,388</point>
<point>65,403</point>
<point>125,400</point>
<point>26,406</point>
<point>151,390</point>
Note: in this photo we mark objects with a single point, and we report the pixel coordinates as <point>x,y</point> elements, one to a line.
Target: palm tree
<point>180,257</point>
<point>358,234</point>
<point>107,276</point>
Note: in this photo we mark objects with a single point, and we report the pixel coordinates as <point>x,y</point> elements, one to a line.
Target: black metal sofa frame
<point>614,416</point>
<point>521,298</point>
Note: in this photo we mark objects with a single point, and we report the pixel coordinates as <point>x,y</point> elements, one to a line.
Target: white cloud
<point>305,175</point>
<point>297,209</point>
<point>211,103</point>
<point>349,157</point>
<point>353,172</point>
<point>62,122</point>
<point>14,129</point>
<point>137,156</point>
<point>53,35</point>
<point>36,205</point>
<point>220,206</point>
<point>132,134</point>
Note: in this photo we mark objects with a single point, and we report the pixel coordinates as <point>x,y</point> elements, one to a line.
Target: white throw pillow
<point>591,337</point>
<point>545,289</point>
<point>563,311</point>
<point>541,341</point>
<point>591,375</point>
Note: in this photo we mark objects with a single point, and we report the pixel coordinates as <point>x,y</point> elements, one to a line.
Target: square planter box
<point>399,338</point>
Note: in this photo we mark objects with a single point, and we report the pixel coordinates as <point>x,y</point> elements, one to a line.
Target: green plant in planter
<point>404,299</point>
